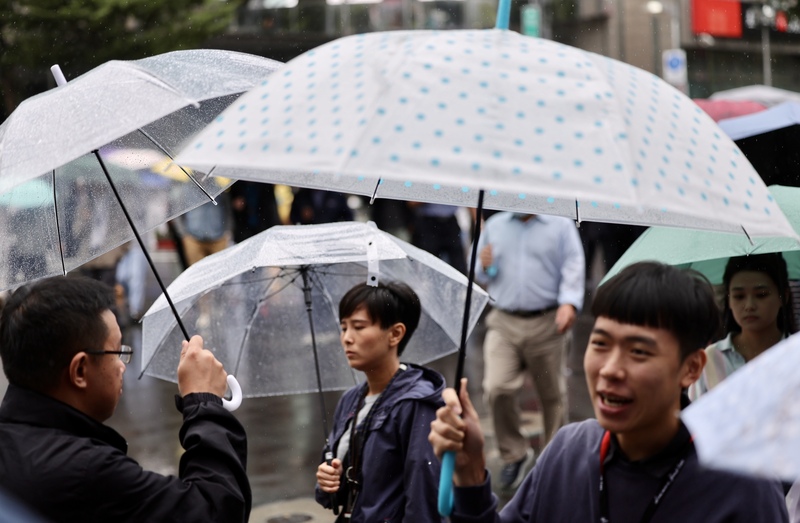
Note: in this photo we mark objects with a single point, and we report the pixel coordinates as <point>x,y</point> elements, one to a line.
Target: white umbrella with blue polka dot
<point>540,126</point>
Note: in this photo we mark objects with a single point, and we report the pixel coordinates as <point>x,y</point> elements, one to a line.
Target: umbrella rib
<point>329,300</point>
<point>248,282</point>
<point>256,308</point>
<point>748,236</point>
<point>163,150</point>
<point>333,273</point>
<point>58,228</point>
<point>375,192</point>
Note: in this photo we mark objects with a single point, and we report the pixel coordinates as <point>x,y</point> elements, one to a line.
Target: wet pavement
<point>285,433</point>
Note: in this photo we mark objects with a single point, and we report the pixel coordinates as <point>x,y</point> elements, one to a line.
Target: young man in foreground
<point>636,461</point>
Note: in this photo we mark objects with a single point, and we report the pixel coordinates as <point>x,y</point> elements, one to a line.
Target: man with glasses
<point>62,354</point>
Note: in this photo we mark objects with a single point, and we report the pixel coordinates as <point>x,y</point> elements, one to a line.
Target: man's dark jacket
<point>564,486</point>
<point>71,468</point>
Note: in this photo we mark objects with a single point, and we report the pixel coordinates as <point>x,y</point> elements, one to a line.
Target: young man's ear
<point>692,367</point>
<point>77,370</point>
<point>396,334</point>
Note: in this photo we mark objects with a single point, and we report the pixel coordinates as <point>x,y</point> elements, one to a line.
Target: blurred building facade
<point>725,41</point>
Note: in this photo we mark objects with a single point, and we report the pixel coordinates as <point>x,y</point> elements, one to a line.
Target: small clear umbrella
<point>136,113</point>
<point>249,301</point>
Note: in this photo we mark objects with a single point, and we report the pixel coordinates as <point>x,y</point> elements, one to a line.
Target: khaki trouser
<point>195,250</point>
<point>512,346</point>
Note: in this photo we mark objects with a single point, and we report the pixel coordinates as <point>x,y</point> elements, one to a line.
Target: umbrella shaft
<point>142,245</point>
<point>462,350</point>
<point>307,295</point>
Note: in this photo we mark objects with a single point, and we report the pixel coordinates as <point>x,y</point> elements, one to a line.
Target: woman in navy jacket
<point>386,470</point>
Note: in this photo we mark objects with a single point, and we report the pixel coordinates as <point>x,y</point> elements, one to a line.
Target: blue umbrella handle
<point>236,395</point>
<point>446,483</point>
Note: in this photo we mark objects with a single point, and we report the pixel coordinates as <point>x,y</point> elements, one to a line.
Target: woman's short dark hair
<point>656,295</point>
<point>44,324</point>
<point>386,304</point>
<point>773,265</point>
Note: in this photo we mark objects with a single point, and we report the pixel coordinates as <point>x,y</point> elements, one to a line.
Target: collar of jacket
<point>416,383</point>
<point>27,407</point>
<point>659,464</point>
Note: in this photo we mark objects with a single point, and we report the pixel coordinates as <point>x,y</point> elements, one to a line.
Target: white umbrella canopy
<point>540,126</point>
<point>750,423</point>
<point>248,304</point>
<point>135,115</point>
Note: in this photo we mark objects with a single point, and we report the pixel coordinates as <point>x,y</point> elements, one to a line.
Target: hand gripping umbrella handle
<point>446,483</point>
<point>236,395</point>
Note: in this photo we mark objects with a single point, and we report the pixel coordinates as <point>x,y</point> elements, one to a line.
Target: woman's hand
<point>329,476</point>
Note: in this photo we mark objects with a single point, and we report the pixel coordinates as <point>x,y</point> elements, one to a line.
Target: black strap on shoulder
<point>358,438</point>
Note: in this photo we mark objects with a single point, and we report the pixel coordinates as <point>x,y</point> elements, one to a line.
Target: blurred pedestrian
<point>253,207</point>
<point>206,229</point>
<point>62,354</point>
<point>312,206</point>
<point>104,268</point>
<point>392,216</point>
<point>436,230</point>
<point>610,239</point>
<point>384,468</point>
<point>757,315</point>
<point>132,276</point>
<point>534,270</point>
<point>636,461</point>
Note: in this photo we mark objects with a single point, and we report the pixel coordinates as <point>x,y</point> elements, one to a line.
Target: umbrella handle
<point>236,395</point>
<point>446,483</point>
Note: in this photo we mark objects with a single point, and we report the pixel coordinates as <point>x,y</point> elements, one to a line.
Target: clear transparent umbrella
<point>133,115</point>
<point>248,303</point>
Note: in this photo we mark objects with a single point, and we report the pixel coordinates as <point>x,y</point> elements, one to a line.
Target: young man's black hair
<point>655,295</point>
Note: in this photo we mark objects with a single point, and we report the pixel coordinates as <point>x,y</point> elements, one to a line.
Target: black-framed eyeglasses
<point>125,353</point>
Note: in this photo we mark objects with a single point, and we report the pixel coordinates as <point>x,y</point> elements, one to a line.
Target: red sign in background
<point>721,18</point>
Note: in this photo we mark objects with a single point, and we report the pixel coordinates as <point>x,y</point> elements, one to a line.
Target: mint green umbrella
<point>708,252</point>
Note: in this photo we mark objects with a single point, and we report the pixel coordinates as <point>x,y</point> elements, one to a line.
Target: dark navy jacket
<point>400,472</point>
<point>564,487</point>
<point>71,468</point>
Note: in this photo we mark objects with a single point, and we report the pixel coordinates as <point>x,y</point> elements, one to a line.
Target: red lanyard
<point>669,479</point>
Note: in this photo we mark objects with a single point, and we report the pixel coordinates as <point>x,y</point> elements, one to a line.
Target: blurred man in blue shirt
<point>533,267</point>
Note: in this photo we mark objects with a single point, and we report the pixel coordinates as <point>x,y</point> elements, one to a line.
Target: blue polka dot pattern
<point>442,114</point>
